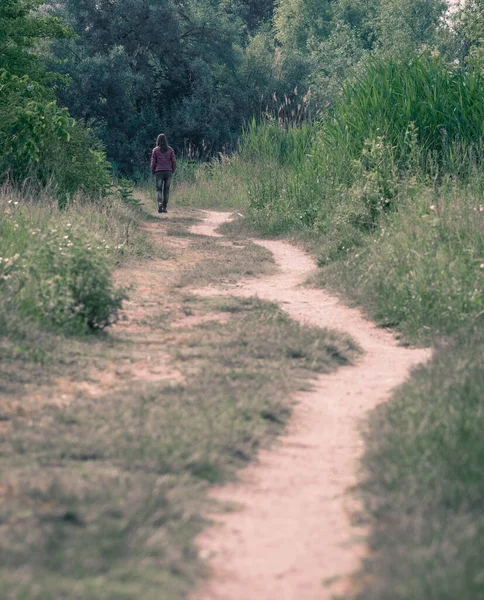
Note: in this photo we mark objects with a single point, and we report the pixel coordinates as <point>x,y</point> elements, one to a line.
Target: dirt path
<point>293,537</point>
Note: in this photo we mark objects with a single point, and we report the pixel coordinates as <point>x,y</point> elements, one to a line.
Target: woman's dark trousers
<point>163,183</point>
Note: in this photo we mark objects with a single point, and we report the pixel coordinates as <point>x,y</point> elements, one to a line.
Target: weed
<point>55,265</point>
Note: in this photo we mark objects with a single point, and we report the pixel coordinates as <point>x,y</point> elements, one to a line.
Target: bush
<point>53,270</point>
<point>40,141</point>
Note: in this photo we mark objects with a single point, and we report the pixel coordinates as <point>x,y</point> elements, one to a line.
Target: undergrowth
<point>217,184</point>
<point>422,270</point>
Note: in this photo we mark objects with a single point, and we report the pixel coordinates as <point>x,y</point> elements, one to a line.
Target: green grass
<point>422,270</point>
<point>112,489</point>
<point>438,102</point>
<point>423,481</point>
<point>220,184</point>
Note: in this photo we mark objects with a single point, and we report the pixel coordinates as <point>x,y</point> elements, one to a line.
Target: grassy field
<point>105,486</point>
<point>106,459</point>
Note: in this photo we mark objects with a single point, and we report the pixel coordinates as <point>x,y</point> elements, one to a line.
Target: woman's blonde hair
<point>162,142</point>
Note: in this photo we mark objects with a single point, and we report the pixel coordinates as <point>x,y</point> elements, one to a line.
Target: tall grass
<point>442,103</point>
<point>389,187</point>
<point>270,140</point>
<point>423,481</point>
<point>420,117</point>
<point>222,183</point>
<point>422,270</point>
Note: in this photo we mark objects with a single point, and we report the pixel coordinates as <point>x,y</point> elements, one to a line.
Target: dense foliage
<point>22,25</point>
<point>38,138</point>
<point>56,262</point>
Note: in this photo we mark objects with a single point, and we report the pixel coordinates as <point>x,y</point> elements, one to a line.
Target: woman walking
<point>163,165</point>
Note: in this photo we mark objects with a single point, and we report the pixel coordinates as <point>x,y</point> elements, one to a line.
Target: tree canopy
<point>199,70</point>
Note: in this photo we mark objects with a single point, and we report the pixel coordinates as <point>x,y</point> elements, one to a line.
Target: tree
<point>253,13</point>
<point>408,26</point>
<point>470,31</point>
<point>325,42</point>
<point>139,67</point>
<point>22,26</point>
<point>38,138</point>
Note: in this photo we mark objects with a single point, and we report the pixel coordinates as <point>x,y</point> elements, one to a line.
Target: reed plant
<point>285,143</point>
<point>441,102</point>
<point>222,183</point>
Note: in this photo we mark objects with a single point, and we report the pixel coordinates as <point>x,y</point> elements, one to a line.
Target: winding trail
<point>293,537</point>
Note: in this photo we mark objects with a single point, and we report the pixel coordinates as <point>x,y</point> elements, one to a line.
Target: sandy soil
<point>292,537</point>
<point>210,224</point>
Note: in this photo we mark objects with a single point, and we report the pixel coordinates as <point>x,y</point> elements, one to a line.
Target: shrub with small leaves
<point>57,274</point>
